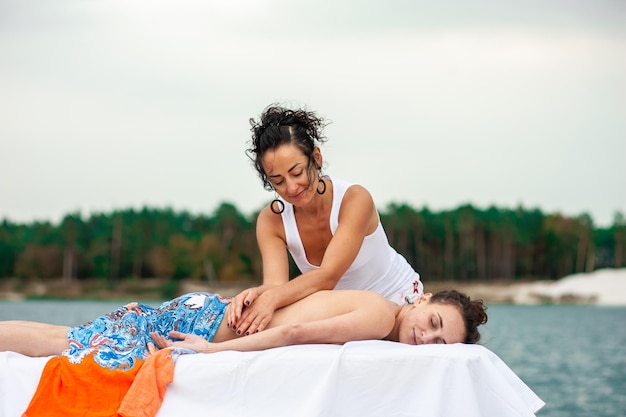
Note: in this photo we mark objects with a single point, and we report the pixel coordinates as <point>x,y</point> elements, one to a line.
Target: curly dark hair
<point>278,126</point>
<point>474,312</point>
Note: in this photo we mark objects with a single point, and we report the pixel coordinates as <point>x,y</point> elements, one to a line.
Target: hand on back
<point>256,313</point>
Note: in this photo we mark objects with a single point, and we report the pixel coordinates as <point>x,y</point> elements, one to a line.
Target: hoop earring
<point>323,184</point>
<point>280,204</point>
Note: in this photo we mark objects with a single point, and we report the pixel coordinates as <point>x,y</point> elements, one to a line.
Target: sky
<point>116,104</point>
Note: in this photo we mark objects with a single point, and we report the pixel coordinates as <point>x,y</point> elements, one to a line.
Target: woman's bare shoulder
<point>331,303</point>
<point>358,203</point>
<point>357,191</point>
<point>266,214</point>
<point>351,299</point>
<point>270,222</point>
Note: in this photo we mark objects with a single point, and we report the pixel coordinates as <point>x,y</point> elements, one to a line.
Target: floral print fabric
<point>120,338</point>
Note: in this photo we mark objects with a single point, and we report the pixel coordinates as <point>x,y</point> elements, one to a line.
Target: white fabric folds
<point>369,378</point>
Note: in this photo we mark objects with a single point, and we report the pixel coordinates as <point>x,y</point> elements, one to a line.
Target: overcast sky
<point>112,104</point>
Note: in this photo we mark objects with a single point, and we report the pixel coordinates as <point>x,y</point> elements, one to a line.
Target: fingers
<point>254,327</point>
<point>255,317</point>
<point>178,335</point>
<point>242,329</point>
<point>247,319</point>
<point>250,297</point>
<point>235,308</point>
<point>237,304</point>
<point>160,340</point>
<point>253,324</point>
<point>262,324</point>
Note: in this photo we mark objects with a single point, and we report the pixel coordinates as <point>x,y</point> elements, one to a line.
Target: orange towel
<point>87,389</point>
<point>145,396</point>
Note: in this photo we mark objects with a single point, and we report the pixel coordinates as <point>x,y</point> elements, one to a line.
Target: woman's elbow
<point>296,334</point>
<point>329,281</point>
<point>328,285</point>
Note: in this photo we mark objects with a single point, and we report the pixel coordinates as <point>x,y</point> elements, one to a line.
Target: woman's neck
<point>401,311</point>
<point>319,205</point>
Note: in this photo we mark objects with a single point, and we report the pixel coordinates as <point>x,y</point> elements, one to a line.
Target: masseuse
<point>330,227</point>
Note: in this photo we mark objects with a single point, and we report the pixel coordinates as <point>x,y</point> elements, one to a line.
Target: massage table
<point>366,378</point>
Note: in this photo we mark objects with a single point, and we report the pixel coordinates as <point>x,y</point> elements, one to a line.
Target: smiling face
<point>287,169</point>
<point>429,323</point>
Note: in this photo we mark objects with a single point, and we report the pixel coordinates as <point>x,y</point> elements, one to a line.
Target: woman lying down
<point>111,367</point>
<point>195,321</point>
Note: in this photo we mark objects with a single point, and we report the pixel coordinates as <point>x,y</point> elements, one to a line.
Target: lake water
<point>573,357</point>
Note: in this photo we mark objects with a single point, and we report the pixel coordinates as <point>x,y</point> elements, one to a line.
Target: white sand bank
<point>601,287</point>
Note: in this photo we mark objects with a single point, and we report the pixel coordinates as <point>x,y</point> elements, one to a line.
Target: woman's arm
<point>271,240</point>
<point>369,321</point>
<point>357,218</point>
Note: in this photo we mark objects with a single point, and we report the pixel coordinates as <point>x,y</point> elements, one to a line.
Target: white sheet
<point>372,378</point>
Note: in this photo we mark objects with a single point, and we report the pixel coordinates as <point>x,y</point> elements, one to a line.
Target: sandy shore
<point>601,287</point>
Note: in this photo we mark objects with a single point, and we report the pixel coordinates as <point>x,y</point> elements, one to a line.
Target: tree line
<point>465,244</point>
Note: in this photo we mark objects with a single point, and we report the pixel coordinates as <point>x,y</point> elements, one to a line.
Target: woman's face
<point>429,323</point>
<point>287,169</point>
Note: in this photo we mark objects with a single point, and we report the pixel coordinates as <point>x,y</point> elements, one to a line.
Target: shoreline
<point>606,287</point>
<point>601,287</point>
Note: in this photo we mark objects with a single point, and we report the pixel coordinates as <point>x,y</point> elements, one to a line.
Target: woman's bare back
<point>324,305</point>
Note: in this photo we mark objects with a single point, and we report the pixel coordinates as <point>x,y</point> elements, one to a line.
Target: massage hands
<point>250,311</point>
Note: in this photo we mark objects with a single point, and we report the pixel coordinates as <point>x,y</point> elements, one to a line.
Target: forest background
<point>152,252</point>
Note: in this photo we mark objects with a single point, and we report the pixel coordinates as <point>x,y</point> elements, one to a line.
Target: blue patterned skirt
<point>121,337</point>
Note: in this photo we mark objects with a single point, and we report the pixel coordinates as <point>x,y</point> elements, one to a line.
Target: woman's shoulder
<point>357,191</point>
<point>358,198</point>
<point>268,215</point>
<point>365,300</point>
<point>269,223</point>
<point>358,296</point>
<point>348,187</point>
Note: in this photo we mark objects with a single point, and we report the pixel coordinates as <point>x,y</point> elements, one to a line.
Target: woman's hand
<point>256,316</point>
<point>237,304</point>
<point>151,350</point>
<point>187,341</point>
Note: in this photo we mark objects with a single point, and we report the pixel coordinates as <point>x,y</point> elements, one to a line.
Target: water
<point>573,357</point>
<point>70,313</point>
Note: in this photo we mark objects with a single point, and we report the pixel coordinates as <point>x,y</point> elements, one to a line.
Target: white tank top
<point>377,266</point>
